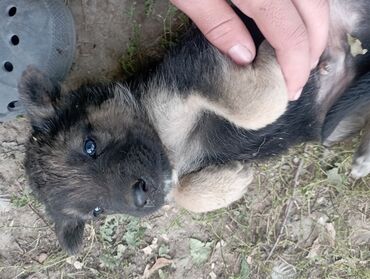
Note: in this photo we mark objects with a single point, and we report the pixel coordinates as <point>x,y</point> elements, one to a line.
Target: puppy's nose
<point>140,189</point>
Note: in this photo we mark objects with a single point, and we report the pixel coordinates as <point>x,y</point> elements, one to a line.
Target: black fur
<point>356,98</point>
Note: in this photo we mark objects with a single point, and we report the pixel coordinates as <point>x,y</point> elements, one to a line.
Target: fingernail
<point>314,65</point>
<point>240,54</point>
<point>297,95</point>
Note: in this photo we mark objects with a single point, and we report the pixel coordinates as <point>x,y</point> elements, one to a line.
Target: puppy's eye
<point>90,147</point>
<point>97,211</point>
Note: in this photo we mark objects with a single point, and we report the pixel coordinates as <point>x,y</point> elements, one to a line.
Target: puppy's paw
<point>360,167</point>
<point>213,187</point>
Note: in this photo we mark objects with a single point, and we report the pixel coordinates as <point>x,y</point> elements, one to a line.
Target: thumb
<point>221,26</point>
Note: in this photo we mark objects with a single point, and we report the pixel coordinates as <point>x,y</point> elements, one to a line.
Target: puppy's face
<point>91,152</point>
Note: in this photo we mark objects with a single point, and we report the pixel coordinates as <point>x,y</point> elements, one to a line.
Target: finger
<point>283,27</point>
<point>315,15</point>
<point>221,26</point>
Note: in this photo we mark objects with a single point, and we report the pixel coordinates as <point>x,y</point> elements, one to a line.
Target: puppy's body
<point>117,147</point>
<point>184,104</point>
<point>187,119</point>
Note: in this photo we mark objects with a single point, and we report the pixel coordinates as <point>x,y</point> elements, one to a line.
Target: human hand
<point>296,29</point>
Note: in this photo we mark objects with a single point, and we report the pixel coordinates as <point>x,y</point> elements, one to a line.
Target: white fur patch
<point>361,167</point>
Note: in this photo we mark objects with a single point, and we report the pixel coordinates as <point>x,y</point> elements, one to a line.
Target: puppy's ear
<point>38,93</point>
<point>70,234</point>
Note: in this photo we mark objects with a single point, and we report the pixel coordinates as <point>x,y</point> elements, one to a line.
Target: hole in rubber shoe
<point>14,105</point>
<point>14,40</point>
<point>12,11</point>
<point>8,66</point>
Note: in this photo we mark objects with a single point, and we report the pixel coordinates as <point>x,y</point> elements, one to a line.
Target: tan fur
<point>213,187</point>
<point>174,118</point>
<point>111,109</point>
<point>252,96</point>
<point>259,96</point>
<point>257,99</point>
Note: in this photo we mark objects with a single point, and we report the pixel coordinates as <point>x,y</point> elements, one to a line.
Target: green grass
<point>22,199</point>
<point>149,7</point>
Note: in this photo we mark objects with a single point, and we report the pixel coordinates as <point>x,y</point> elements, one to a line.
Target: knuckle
<point>222,30</point>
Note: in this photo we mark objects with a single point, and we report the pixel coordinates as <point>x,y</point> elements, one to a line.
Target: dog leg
<point>347,127</point>
<point>361,161</point>
<point>213,187</point>
<point>252,96</point>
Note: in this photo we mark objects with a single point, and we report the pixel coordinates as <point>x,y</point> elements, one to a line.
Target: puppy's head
<point>91,151</point>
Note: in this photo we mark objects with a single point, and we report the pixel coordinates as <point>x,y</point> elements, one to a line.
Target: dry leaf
<point>200,251</point>
<point>283,270</point>
<point>160,263</point>
<point>355,46</point>
<point>315,249</point>
<point>334,177</point>
<point>331,233</point>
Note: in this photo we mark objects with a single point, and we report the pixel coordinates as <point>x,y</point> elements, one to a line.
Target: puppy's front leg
<point>361,160</point>
<point>213,187</point>
<point>252,96</point>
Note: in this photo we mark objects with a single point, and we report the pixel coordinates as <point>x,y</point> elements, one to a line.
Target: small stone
<point>321,200</point>
<point>285,167</point>
<point>5,205</point>
<point>42,257</point>
<point>78,265</point>
<point>212,275</point>
<point>154,242</point>
<point>147,250</point>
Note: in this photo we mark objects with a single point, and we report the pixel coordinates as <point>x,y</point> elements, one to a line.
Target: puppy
<point>187,131</point>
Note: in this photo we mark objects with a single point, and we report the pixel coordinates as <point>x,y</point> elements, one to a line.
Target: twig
<point>92,235</point>
<point>40,216</point>
<point>289,207</point>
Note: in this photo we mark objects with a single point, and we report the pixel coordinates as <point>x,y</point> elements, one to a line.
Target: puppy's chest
<point>174,119</point>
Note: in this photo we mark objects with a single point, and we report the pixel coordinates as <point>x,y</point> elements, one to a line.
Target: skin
<point>296,29</point>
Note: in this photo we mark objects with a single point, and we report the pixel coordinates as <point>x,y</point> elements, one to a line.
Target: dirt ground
<point>304,217</point>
